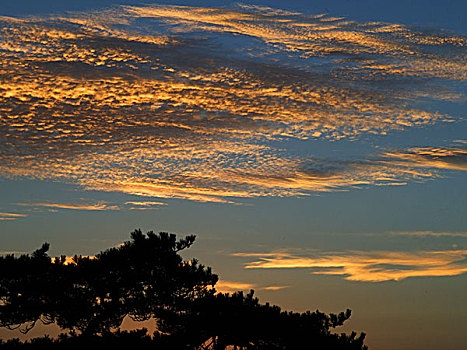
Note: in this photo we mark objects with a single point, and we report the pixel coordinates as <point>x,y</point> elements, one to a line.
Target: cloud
<point>11,216</point>
<point>144,205</point>
<point>430,234</point>
<point>72,206</point>
<point>231,287</point>
<point>317,36</point>
<point>432,157</point>
<point>365,266</point>
<point>188,102</point>
<point>274,288</point>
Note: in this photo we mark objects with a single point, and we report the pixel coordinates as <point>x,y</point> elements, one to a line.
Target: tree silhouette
<point>147,278</point>
<point>240,321</point>
<point>143,278</point>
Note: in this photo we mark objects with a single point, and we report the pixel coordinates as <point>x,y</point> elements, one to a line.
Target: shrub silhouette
<point>147,278</point>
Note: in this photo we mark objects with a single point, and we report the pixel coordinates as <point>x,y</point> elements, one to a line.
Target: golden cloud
<point>231,287</point>
<point>97,99</point>
<point>274,288</point>
<point>10,216</point>
<point>371,266</point>
<point>430,157</point>
<point>145,205</point>
<point>72,206</point>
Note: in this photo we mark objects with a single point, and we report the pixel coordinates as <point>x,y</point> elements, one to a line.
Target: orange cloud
<point>274,288</point>
<point>10,216</point>
<point>72,206</point>
<point>231,287</point>
<point>432,157</point>
<point>145,205</point>
<point>372,266</point>
<point>98,102</point>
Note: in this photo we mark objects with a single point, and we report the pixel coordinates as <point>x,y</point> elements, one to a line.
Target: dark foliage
<point>147,278</point>
<point>143,278</point>
<point>239,320</point>
<point>138,339</point>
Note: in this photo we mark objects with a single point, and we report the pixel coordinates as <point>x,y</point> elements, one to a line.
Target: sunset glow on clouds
<point>365,266</point>
<point>11,216</point>
<point>97,100</point>
<point>232,287</point>
<point>71,206</point>
<point>145,205</point>
<point>442,158</point>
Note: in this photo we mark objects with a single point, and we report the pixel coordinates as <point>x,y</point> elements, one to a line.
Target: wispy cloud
<point>183,102</point>
<point>230,287</point>
<point>450,158</point>
<point>366,266</point>
<point>274,288</point>
<point>145,205</point>
<point>71,206</point>
<point>10,216</point>
<point>430,234</point>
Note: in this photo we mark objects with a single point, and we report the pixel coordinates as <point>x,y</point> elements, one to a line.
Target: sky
<point>318,151</point>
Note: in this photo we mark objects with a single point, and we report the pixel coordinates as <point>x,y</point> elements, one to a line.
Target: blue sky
<point>317,151</point>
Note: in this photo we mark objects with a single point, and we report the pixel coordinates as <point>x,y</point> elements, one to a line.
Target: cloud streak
<point>430,157</point>
<point>145,205</point>
<point>366,266</point>
<point>72,206</point>
<point>10,216</point>
<point>231,287</point>
<point>430,234</point>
